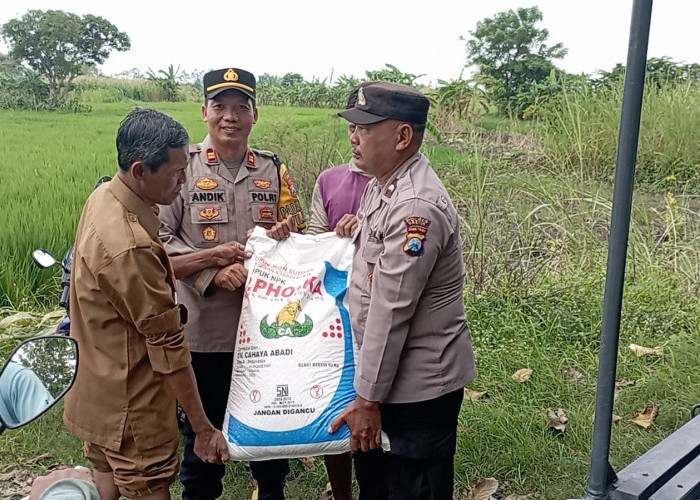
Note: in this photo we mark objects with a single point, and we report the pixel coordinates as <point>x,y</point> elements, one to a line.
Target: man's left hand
<point>283,229</point>
<point>365,423</point>
<point>347,225</point>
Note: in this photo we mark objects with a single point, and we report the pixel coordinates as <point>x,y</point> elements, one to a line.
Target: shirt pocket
<point>371,251</point>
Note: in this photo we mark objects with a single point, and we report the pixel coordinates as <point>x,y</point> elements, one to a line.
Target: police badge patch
<point>209,233</point>
<point>206,183</point>
<point>416,232</point>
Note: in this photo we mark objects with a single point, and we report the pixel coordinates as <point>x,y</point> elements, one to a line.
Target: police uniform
<point>407,310</point>
<point>214,208</point>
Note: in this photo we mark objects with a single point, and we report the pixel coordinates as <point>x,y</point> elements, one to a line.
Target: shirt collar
<point>389,188</point>
<point>147,214</point>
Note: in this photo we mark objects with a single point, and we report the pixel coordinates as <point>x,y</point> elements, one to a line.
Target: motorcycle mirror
<point>36,375</point>
<point>43,258</point>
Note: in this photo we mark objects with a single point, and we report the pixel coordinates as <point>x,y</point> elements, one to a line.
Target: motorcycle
<point>36,375</point>
<point>44,259</point>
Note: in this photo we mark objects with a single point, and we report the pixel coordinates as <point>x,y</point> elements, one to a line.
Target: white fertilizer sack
<point>294,362</point>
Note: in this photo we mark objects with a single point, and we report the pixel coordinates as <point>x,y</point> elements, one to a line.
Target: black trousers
<point>420,466</point>
<point>201,480</point>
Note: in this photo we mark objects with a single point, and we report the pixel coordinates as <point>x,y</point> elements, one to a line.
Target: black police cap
<point>220,80</point>
<point>377,101</point>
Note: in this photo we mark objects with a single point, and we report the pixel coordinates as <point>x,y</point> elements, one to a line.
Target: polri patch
<point>206,183</point>
<point>262,183</point>
<point>212,157</point>
<point>209,233</point>
<point>416,232</point>
<point>251,159</point>
<point>209,213</point>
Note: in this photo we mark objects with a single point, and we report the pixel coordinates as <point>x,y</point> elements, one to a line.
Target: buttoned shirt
<point>215,208</point>
<point>406,290</point>
<point>128,327</point>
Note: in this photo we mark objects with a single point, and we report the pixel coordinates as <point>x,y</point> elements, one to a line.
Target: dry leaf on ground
<point>474,395</point>
<point>327,493</point>
<point>557,420</point>
<point>254,485</point>
<point>646,418</point>
<point>520,497</point>
<point>644,351</point>
<point>482,490</point>
<point>16,482</point>
<point>38,459</point>
<point>624,382</point>
<point>522,375</point>
<point>309,463</point>
<point>571,374</point>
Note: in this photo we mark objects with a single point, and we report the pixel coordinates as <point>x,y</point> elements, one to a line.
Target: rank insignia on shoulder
<point>416,232</point>
<point>206,183</point>
<point>209,213</point>
<point>251,159</point>
<point>209,233</point>
<point>212,157</point>
<point>262,183</point>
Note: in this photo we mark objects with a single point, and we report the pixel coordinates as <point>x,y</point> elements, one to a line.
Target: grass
<point>534,241</point>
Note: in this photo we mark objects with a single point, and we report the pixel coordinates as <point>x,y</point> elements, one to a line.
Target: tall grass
<point>579,132</point>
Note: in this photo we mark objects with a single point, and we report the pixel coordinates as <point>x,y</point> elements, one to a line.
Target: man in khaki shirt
<point>406,302</point>
<point>134,361</point>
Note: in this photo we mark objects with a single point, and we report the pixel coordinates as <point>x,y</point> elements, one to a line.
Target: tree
<point>60,45</point>
<point>291,79</point>
<point>512,50</point>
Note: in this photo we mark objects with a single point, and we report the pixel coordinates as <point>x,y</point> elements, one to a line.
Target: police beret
<point>377,101</point>
<point>217,81</point>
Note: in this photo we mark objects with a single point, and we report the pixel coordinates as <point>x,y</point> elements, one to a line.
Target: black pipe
<point>601,474</point>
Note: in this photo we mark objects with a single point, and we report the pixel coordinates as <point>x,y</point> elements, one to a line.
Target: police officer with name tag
<point>406,304</point>
<point>230,188</point>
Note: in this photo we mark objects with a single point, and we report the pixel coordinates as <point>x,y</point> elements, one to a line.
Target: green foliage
<point>513,51</point>
<point>392,74</point>
<point>167,80</point>
<point>579,133</point>
<point>59,45</point>
<point>291,79</point>
<point>660,71</point>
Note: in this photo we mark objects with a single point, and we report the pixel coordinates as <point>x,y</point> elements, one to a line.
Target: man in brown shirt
<point>134,361</point>
<point>406,302</point>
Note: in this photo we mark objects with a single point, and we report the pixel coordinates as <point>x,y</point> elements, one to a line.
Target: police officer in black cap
<point>406,305</point>
<point>230,189</point>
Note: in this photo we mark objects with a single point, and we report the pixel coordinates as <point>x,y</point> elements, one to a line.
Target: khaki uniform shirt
<point>214,208</point>
<point>127,324</point>
<point>406,287</point>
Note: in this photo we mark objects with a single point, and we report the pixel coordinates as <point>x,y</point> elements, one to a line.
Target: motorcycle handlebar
<point>65,295</point>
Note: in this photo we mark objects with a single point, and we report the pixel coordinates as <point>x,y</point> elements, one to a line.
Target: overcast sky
<point>324,38</point>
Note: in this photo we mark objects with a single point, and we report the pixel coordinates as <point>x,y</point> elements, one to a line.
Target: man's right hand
<point>211,446</point>
<point>231,277</point>
<point>229,253</point>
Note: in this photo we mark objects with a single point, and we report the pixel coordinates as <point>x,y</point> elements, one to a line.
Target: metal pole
<point>600,475</point>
